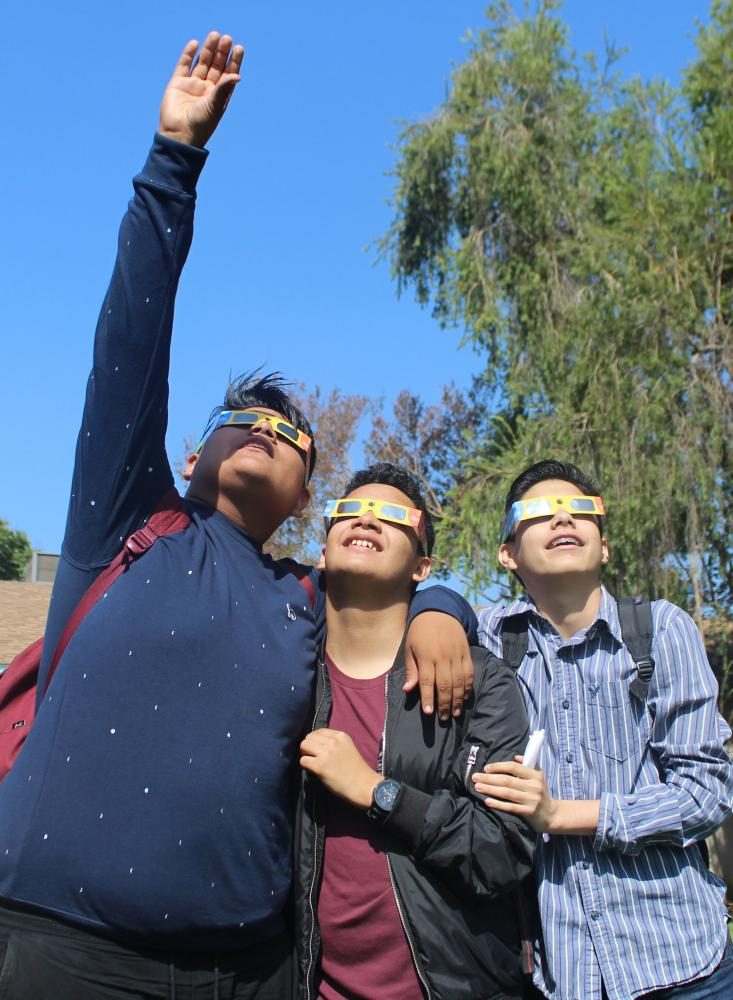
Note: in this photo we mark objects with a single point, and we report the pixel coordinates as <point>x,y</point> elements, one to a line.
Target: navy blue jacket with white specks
<point>151,800</point>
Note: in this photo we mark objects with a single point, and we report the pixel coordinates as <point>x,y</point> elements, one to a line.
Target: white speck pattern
<point>113,731</point>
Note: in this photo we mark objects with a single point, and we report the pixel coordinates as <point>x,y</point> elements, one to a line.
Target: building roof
<point>23,610</point>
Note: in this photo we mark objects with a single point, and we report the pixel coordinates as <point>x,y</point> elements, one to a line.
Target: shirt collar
<point>607,613</point>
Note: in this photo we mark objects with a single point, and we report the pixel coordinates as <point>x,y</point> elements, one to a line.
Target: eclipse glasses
<point>383,510</point>
<point>526,510</point>
<point>250,417</point>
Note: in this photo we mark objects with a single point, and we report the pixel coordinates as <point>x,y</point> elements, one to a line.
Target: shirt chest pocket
<point>617,724</point>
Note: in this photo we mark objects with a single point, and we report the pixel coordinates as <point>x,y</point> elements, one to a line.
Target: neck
<point>567,606</point>
<point>362,638</point>
<point>249,514</point>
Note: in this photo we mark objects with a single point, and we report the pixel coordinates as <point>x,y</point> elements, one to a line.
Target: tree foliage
<point>15,551</point>
<point>578,228</point>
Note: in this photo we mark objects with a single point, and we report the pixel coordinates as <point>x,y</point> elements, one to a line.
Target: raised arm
<point>121,468</point>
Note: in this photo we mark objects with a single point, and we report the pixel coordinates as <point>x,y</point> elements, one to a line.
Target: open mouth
<point>361,543</point>
<point>563,541</point>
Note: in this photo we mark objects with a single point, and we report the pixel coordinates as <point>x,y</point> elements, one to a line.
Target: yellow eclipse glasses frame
<point>547,506</point>
<point>383,510</point>
<point>252,416</point>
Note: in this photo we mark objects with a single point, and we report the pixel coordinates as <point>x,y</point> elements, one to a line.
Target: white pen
<point>534,745</point>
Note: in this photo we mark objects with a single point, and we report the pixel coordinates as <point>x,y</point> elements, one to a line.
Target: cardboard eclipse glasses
<point>383,510</point>
<point>526,510</point>
<point>248,418</point>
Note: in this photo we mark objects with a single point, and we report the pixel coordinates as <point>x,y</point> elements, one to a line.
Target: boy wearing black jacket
<point>405,880</point>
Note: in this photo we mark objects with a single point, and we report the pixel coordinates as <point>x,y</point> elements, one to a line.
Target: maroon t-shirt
<point>364,949</point>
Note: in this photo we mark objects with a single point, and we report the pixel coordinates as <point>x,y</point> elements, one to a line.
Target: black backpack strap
<point>637,632</point>
<point>514,639</point>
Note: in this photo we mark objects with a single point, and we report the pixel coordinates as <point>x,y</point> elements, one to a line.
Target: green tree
<point>15,551</point>
<point>578,229</point>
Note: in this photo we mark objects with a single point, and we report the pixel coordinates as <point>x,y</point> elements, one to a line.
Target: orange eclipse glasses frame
<point>383,510</point>
<point>547,506</point>
<point>249,418</point>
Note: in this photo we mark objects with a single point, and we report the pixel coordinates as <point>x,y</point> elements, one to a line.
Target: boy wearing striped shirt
<point>626,784</point>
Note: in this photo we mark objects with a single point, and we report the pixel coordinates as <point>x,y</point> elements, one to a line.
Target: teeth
<point>362,543</point>
<point>563,541</point>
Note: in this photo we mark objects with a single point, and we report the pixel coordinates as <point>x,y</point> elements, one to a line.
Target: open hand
<point>332,756</point>
<point>197,94</point>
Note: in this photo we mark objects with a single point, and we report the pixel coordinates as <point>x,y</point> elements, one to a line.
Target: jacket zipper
<point>470,764</point>
<point>420,974</point>
<point>316,866</point>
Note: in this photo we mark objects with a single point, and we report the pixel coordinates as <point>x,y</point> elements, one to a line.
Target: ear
<point>423,565</point>
<point>321,565</point>
<point>605,552</point>
<point>304,498</point>
<point>190,463</point>
<point>506,557</point>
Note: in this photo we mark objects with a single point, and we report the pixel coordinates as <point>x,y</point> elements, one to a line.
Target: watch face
<point>385,794</point>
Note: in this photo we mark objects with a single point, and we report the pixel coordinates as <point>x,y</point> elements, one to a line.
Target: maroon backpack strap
<point>304,577</point>
<point>169,516</point>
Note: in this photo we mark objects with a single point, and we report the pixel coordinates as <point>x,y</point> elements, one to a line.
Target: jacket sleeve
<point>476,851</point>
<point>694,793</point>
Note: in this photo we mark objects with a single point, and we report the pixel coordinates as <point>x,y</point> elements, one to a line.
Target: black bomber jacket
<point>458,869</point>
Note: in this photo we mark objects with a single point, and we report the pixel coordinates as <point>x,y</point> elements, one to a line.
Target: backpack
<point>19,683</point>
<point>637,633</point>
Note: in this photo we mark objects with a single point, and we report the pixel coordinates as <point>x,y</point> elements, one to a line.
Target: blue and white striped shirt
<point>632,908</point>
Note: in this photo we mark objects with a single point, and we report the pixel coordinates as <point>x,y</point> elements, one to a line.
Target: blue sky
<point>295,190</point>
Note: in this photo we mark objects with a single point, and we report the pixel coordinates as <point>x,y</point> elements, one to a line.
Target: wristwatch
<point>384,797</point>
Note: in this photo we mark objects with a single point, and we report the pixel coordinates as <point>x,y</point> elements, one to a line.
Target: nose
<point>562,516</point>
<point>369,520</point>
<point>264,427</point>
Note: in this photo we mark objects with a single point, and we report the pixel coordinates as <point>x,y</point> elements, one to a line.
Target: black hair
<point>387,474</point>
<point>550,468</point>
<point>254,389</point>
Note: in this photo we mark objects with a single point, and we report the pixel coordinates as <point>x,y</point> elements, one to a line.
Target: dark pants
<point>44,959</point>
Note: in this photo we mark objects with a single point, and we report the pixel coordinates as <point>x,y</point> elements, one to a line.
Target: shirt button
<point>594,914</point>
<point>566,704</point>
<point>569,758</point>
<point>585,865</point>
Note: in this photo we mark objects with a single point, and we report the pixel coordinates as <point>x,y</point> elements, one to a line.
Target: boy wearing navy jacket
<point>146,827</point>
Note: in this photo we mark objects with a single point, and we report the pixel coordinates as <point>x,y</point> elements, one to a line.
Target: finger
<point>509,807</point>
<point>206,55</point>
<point>412,677</point>
<point>183,66</point>
<point>221,95</point>
<point>459,690</point>
<point>427,687</point>
<point>220,58</point>
<point>503,794</point>
<point>504,767</point>
<point>467,665</point>
<point>236,59</point>
<point>444,688</point>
